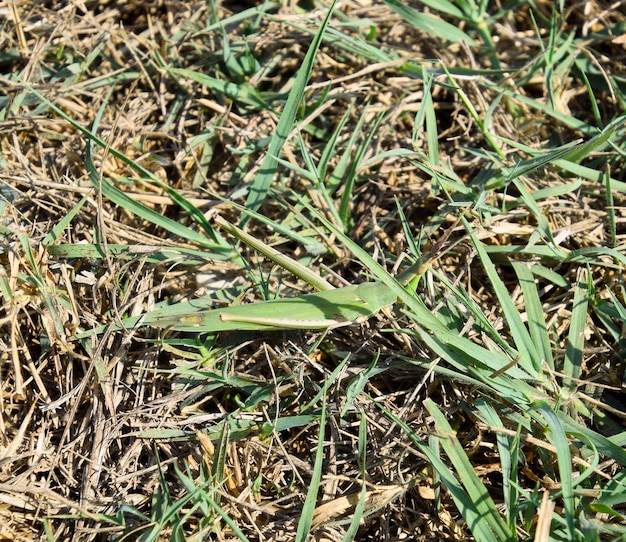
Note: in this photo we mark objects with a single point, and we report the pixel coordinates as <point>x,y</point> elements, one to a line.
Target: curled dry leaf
<point>340,510</point>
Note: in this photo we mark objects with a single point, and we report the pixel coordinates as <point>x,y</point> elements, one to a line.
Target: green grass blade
<point>311,244</point>
<point>529,359</point>
<point>430,24</point>
<point>263,180</point>
<point>466,505</point>
<point>432,132</point>
<point>330,149</point>
<point>506,452</point>
<point>356,386</point>
<point>593,462</point>
<point>476,362</point>
<point>558,438</point>
<point>535,313</point>
<point>221,250</point>
<point>572,154</point>
<point>204,499</point>
<point>59,227</point>
<point>444,6</point>
<point>572,364</point>
<point>611,447</point>
<point>112,193</point>
<point>317,174</point>
<point>539,160</point>
<point>543,226</point>
<point>568,120</point>
<point>291,265</point>
<point>250,14</point>
<point>491,522</point>
<point>218,468</point>
<point>426,119</point>
<point>596,143</point>
<point>346,196</point>
<point>357,46</point>
<point>610,207</point>
<point>242,92</point>
<point>469,106</point>
<point>339,172</point>
<point>306,518</point>
<point>353,528</point>
<point>328,382</point>
<point>555,191</point>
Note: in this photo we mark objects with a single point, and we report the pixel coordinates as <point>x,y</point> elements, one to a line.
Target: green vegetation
<point>294,271</point>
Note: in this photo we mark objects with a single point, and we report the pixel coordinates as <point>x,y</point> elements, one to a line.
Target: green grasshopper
<point>327,309</point>
<point>321,310</point>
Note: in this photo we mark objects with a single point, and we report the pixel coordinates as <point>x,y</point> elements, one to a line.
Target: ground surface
<point>488,405</point>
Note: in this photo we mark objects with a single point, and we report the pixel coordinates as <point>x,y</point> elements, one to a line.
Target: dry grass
<point>104,437</point>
